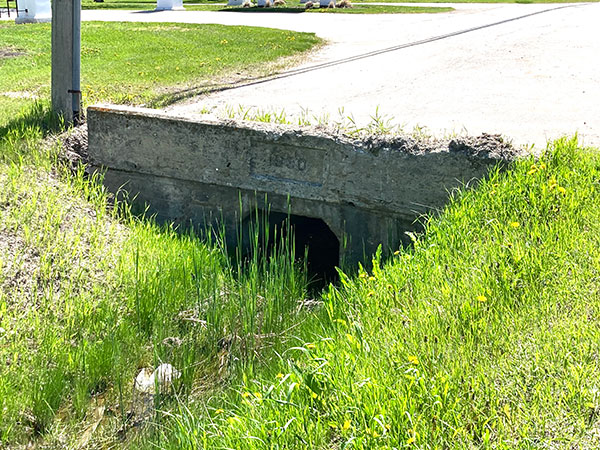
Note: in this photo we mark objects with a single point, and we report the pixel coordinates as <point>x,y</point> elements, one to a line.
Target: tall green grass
<point>483,335</point>
<point>90,293</point>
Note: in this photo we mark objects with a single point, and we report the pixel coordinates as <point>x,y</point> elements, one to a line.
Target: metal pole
<point>76,89</point>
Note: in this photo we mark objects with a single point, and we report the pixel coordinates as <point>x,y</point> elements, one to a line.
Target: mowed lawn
<point>140,63</point>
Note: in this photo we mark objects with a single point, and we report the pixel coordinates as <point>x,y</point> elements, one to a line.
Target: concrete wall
<point>189,169</point>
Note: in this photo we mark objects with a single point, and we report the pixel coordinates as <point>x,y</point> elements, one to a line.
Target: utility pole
<point>66,59</point>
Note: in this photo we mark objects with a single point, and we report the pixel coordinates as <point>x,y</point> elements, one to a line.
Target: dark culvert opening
<point>311,236</point>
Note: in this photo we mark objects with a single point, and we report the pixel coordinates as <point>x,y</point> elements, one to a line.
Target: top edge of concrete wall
<point>485,146</point>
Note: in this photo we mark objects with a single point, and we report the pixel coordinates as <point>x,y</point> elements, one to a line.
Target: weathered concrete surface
<point>367,190</point>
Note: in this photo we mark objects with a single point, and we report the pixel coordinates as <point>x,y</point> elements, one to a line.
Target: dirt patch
<point>10,53</point>
<point>74,149</point>
<point>486,145</point>
<point>19,94</point>
<point>18,267</point>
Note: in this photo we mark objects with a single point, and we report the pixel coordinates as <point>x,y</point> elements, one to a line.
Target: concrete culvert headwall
<point>366,191</point>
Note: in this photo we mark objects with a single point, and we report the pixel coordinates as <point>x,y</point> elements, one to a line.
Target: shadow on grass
<point>38,116</point>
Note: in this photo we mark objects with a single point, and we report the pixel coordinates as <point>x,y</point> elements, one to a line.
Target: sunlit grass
<point>482,335</point>
<point>138,62</point>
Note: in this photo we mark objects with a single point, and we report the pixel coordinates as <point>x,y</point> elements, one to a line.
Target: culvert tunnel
<point>312,240</point>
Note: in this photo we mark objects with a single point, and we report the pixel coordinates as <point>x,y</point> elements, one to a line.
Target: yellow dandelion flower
<point>313,395</point>
<point>346,425</point>
<point>219,411</point>
<point>481,298</point>
<point>311,346</point>
<point>562,190</point>
<point>245,394</point>
<point>258,395</point>
<point>410,440</point>
<point>280,375</point>
<point>413,359</point>
<point>515,224</point>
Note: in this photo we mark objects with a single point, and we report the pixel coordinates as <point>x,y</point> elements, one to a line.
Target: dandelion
<point>372,278</point>
<point>219,411</point>
<point>311,346</point>
<point>410,440</point>
<point>258,395</point>
<point>515,224</point>
<point>313,395</point>
<point>373,433</point>
<point>481,298</point>
<point>562,190</point>
<point>279,376</point>
<point>413,360</point>
<point>245,394</point>
<point>346,425</point>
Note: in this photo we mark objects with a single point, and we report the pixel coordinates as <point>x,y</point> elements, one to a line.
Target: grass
<point>484,334</point>
<point>140,63</point>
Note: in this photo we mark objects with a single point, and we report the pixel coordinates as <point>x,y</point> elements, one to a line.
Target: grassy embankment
<point>484,334</point>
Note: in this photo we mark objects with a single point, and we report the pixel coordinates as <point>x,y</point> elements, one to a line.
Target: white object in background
<point>34,11</point>
<point>169,5</point>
